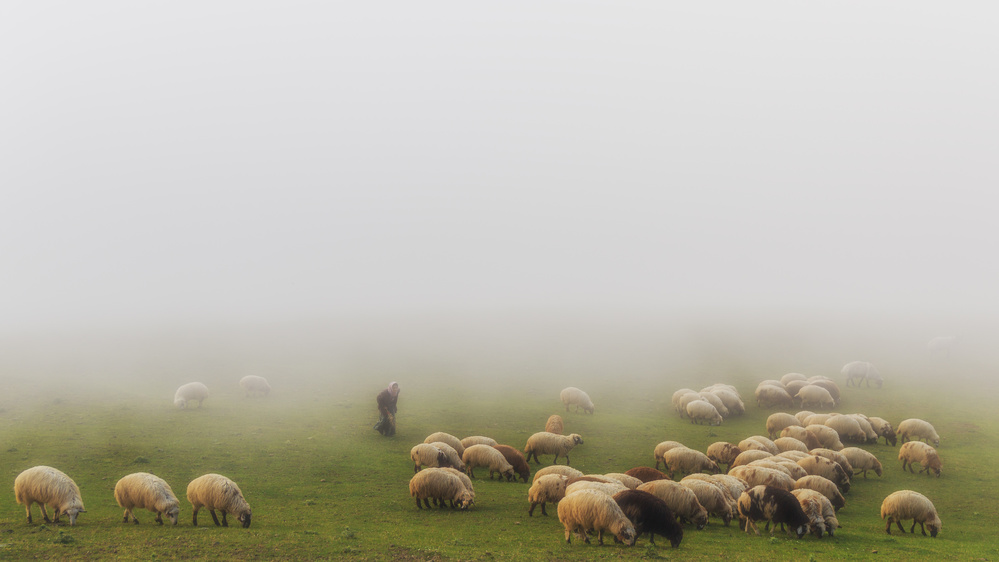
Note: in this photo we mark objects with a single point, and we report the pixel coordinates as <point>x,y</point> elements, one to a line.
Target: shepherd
<point>387,400</point>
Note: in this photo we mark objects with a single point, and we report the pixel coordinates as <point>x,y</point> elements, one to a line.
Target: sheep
<point>572,395</point>
<point>680,499</point>
<point>793,387</point>
<point>721,452</point>
<point>425,454</point>
<point>609,488</point>
<point>559,469</point>
<point>711,498</point>
<point>829,519</point>
<point>907,504</point>
<point>749,456</point>
<point>142,490</point>
<point>770,382</point>
<point>516,460</point>
<point>824,486</point>
<point>651,515</point>
<point>802,416</point>
<point>774,505</point>
<point>712,399</point>
<point>253,384</point>
<point>549,488</point>
<point>686,460</point>
<point>812,394</point>
<point>661,449</point>
<point>848,428</point>
<point>731,400</point>
<point>588,510</point>
<point>190,392</point>
<point>812,507</point>
<point>734,486</point>
<point>827,436</point>
<point>453,458</point>
<point>721,386</point>
<point>787,467</point>
<point>916,451</point>
<point>45,485</point>
<point>762,443</point>
<point>866,425</point>
<point>645,473</point>
<point>678,404</point>
<point>484,455</point>
<point>920,430</point>
<point>817,419</point>
<point>441,486</point>
<point>770,396</point>
<point>628,480</point>
<point>862,460</point>
<point>857,372</point>
<point>476,440</point>
<point>826,468</point>
<point>884,429</point>
<point>790,444</point>
<point>801,434</point>
<point>831,387</point>
<point>757,475</point>
<point>549,443</point>
<point>792,377</point>
<point>451,440</point>
<point>778,421</point>
<point>837,457</point>
<point>554,425</point>
<point>793,456</point>
<point>465,480</point>
<point>702,410</point>
<point>215,491</point>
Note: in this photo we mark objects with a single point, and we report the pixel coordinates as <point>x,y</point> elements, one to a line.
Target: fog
<point>542,191</point>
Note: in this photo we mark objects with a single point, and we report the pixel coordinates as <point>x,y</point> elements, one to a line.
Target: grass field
<point>324,485</point>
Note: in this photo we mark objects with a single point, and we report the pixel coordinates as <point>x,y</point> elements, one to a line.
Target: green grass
<point>324,485</point>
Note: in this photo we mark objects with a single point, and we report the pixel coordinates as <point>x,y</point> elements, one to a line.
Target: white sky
<point>164,162</point>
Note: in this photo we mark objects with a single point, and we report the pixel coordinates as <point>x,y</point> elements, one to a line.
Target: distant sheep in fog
<point>190,392</point>
<point>554,425</point>
<point>770,396</point>
<point>859,371</point>
<point>253,384</point>
<point>701,410</point>
<point>572,395</point>
<point>917,429</point>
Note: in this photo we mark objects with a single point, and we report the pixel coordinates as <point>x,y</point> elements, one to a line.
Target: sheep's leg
<point>921,527</point>
<point>900,527</point>
<point>555,460</point>
<point>600,537</point>
<point>214,517</point>
<point>159,518</point>
<point>45,513</point>
<point>28,510</point>
<point>567,459</point>
<point>416,468</point>
<point>888,526</point>
<point>426,502</point>
<point>543,512</point>
<point>652,538</point>
<point>195,521</point>
<point>530,512</point>
<point>750,523</point>
<point>418,504</point>
<point>471,471</point>
<point>568,535</point>
<point>443,504</point>
<point>224,522</point>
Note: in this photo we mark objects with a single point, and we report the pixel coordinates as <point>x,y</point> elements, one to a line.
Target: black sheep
<point>650,515</point>
<point>766,503</point>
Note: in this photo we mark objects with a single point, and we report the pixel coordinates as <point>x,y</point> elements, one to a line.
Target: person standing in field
<point>387,400</point>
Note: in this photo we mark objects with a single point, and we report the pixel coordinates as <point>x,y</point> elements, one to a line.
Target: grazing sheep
<point>559,469</point>
<point>792,377</point>
<point>425,454</point>
<point>827,436</point>
<point>731,400</point>
<point>907,504</point>
<point>721,452</point>
<point>190,392</point>
<point>516,460</point>
<point>484,455</point>
<point>572,395</point>
<point>609,488</point>
<point>793,456</point>
<point>441,486</point>
<point>465,480</point>
<point>142,490</point>
<point>786,466</point>
<point>734,486</point>
<point>920,430</point>
<point>628,480</point>
<point>848,428</point>
<point>698,410</point>
<point>774,505</point>
<point>749,456</point>
<point>837,457</point>
<point>549,488</point>
<point>811,505</point>
<point>45,485</point>
<point>451,440</point>
<point>826,468</point>
<point>802,416</point>
<point>793,387</point>
<point>453,458</point>
<point>884,429</point>
<point>679,404</point>
<point>253,384</point>
<point>829,519</point>
<point>814,395</point>
<point>712,399</point>
<point>831,387</point>
<point>803,435</point>
<point>681,500</point>
<point>215,491</point>
<point>818,419</point>
<point>916,451</point>
<point>867,426</point>
<point>476,440</point>
<point>554,425</point>
<point>778,421</point>
<point>686,460</point>
<point>661,449</point>
<point>770,396</point>
<point>766,444</point>
<point>758,475</point>
<point>645,473</point>
<point>862,460</point>
<point>587,510</point>
<point>824,486</point>
<point>785,444</point>
<point>551,444</point>
<point>711,497</point>
<point>651,515</point>
<point>859,371</point>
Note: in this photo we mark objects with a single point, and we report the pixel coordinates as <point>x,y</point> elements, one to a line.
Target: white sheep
<point>661,449</point>
<point>828,511</point>
<point>826,435</point>
<point>801,434</point>
<point>859,371</point>
<point>465,480</point>
<point>792,377</point>
<point>681,501</point>
<point>712,497</point>
<point>215,491</point>
<point>817,419</point>
<point>776,422</point>
<point>758,475</point>
<point>835,456</point>
<point>848,428</point>
<point>190,392</point>
<point>769,396</point>
<point>862,460</point>
<point>783,465</point>
<point>748,456</point>
<point>453,458</point>
<point>609,488</point>
<point>884,429</point>
<point>426,454</point>
<point>814,395</point>
<point>722,452</point>
<point>572,395</point>
<point>685,461</point>
<point>551,444</point>
<point>141,490</point>
<point>915,428</point>
<point>590,510</point>
<point>866,425</point>
<point>559,469</point>
<point>916,451</point>
<point>253,384</point>
<point>759,442</point>
<point>681,403</point>
<point>802,416</point>
<point>476,440</point>
<point>441,486</point>
<point>790,444</point>
<point>824,486</point>
<point>713,399</point>
<point>698,410</point>
<point>548,488</point>
<point>821,466</point>
<point>484,455</point>
<point>675,400</point>
<point>628,480</point>
<point>45,485</point>
<point>907,504</point>
<point>731,400</point>
<point>443,437</point>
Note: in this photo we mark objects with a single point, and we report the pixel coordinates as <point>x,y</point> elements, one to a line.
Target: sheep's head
<point>244,518</point>
<point>626,533</point>
<point>465,499</point>
<point>801,530</point>
<point>576,439</point>
<point>72,512</point>
<point>934,527</point>
<point>675,541</point>
<point>180,403</point>
<point>173,513</point>
<point>701,519</point>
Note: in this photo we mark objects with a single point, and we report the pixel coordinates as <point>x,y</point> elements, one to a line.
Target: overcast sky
<point>202,161</point>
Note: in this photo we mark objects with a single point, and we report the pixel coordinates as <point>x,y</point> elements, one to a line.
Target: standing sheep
<point>465,480</point>
<point>649,514</point>
<point>516,460</point>
<point>837,457</point>
<point>685,461</point>
<point>588,510</point>
<point>758,475</point>
<point>785,444</point>
<point>484,455</point>
<point>920,430</point>
<point>441,486</point>
<point>862,460</point>
<point>826,468</point>
<point>698,410</point>
<point>554,424</point>
<point>776,506</point>
<point>859,371</point>
<point>711,497</point>
<point>549,488</point>
<point>916,451</point>
<point>451,440</point>
<point>679,404</point>
<point>142,490</point>
<point>681,500</point>
<point>572,395</point>
<point>551,444</point>
<point>253,384</point>
<point>828,512</point>
<point>631,482</point>
<point>848,428</point>
<point>190,392</point>
<point>884,429</point>
<point>453,458</point>
<point>801,434</point>
<point>45,485</point>
<point>827,436</point>
<point>713,399</point>
<point>425,454</point>
<point>907,504</point>
<point>215,491</point>
<point>759,442</point>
